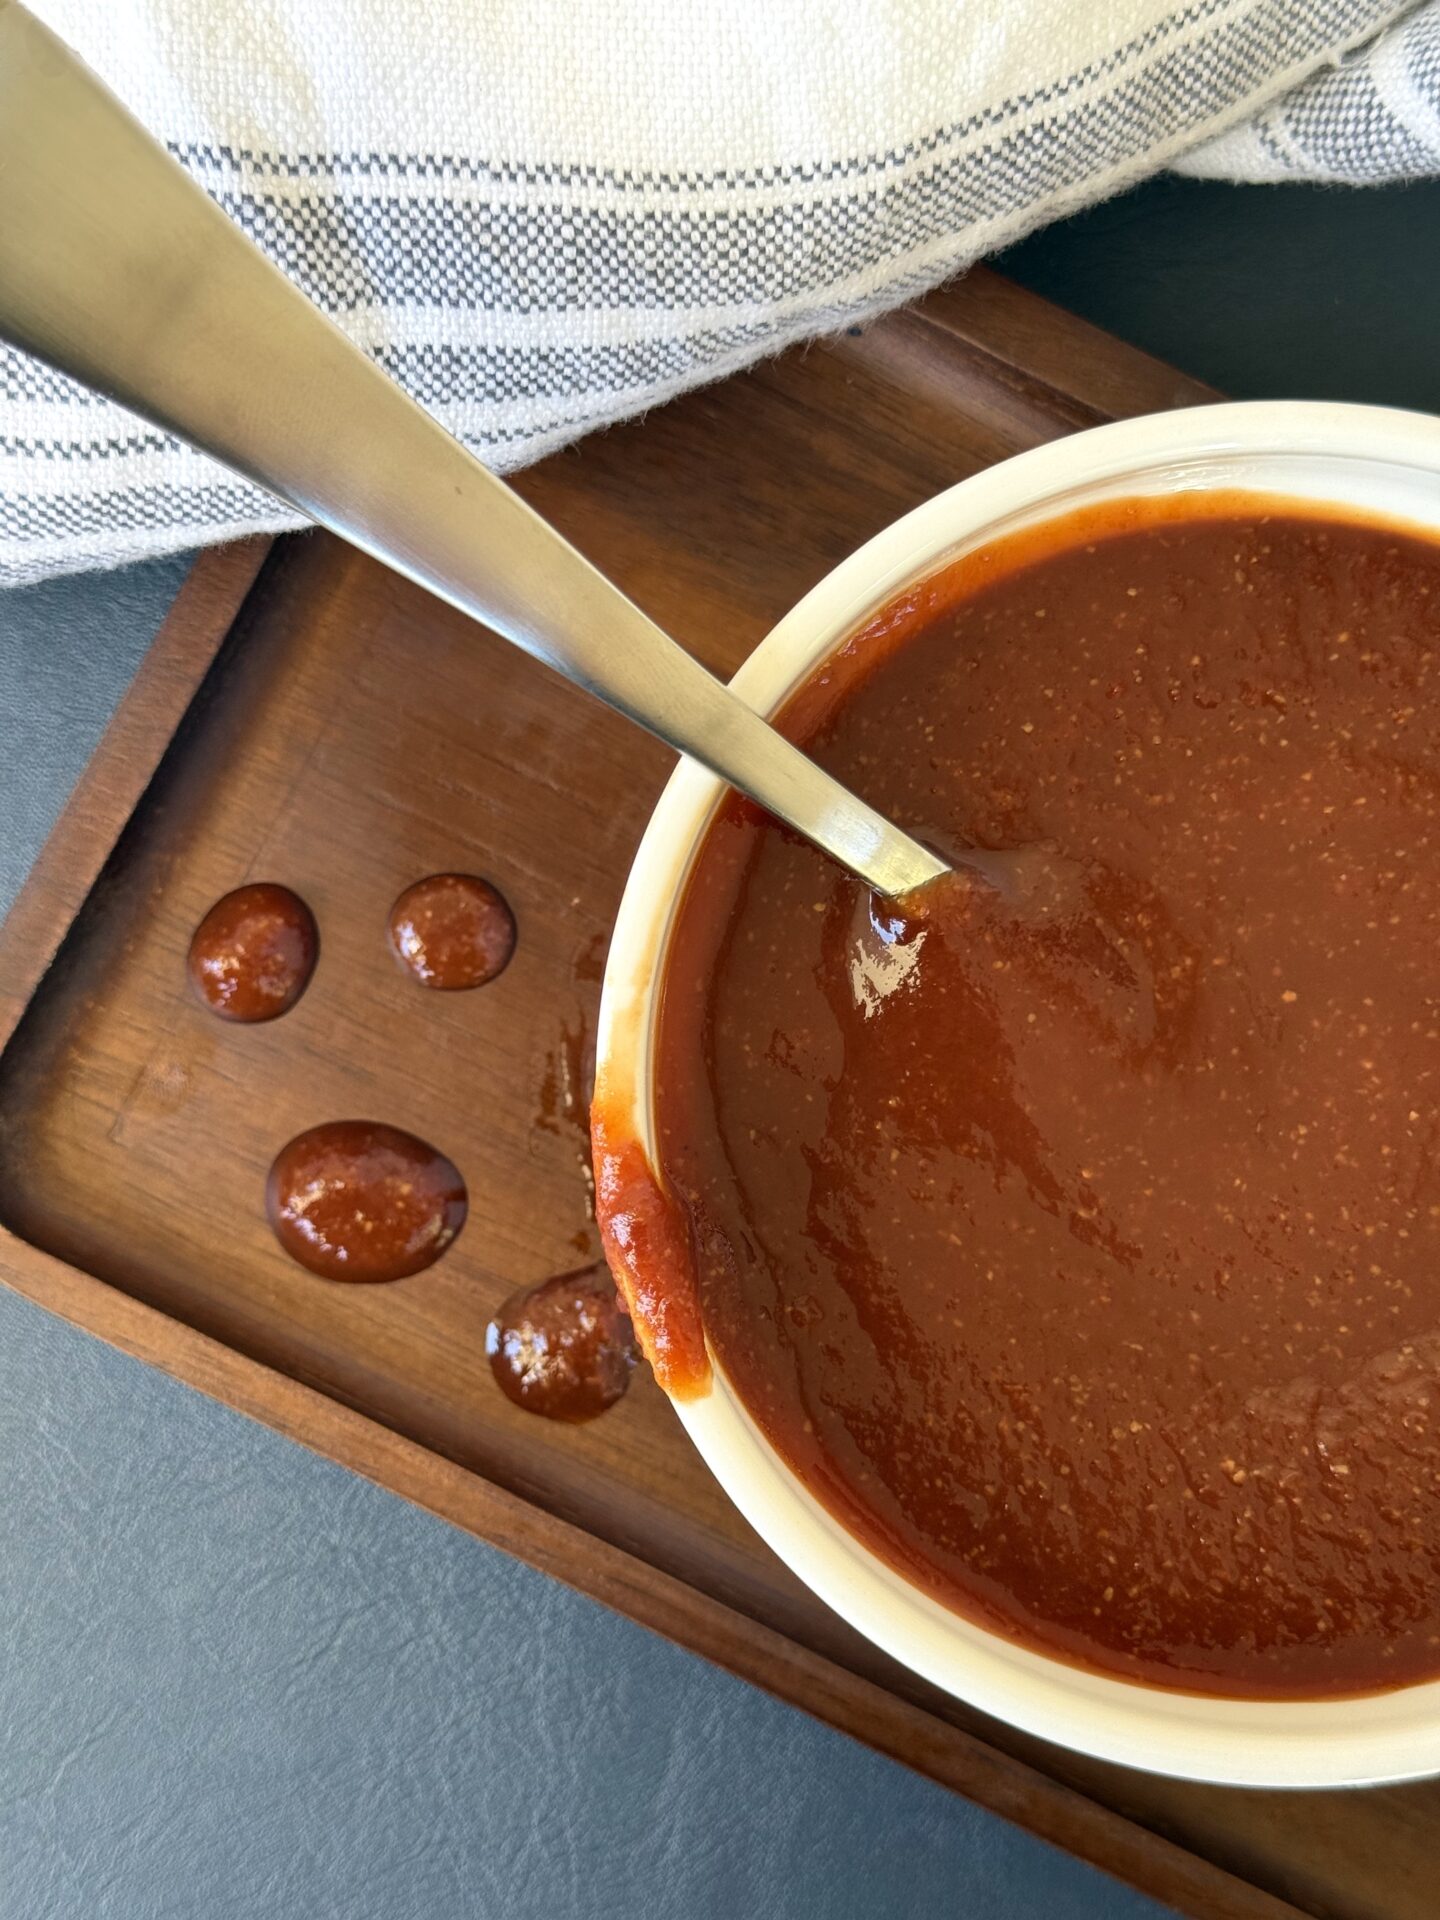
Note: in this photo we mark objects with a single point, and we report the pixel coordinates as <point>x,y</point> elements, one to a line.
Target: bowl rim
<point>1368,461</point>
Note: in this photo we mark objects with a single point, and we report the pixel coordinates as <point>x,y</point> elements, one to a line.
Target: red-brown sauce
<point>647,1244</point>
<point>252,955</point>
<point>566,1348</point>
<point>354,1200</point>
<point>1080,1248</point>
<point>566,1080</point>
<point>452,931</point>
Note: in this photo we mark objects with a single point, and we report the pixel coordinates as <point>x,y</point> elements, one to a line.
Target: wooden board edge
<point>121,767</point>
<point>1056,347</point>
<point>1056,1813</point>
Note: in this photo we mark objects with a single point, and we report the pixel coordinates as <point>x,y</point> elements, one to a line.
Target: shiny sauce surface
<point>564,1349</point>
<point>1079,1245</point>
<point>452,931</point>
<point>252,955</point>
<point>357,1200</point>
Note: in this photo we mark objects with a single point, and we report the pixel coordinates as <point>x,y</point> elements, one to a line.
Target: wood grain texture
<point>334,729</point>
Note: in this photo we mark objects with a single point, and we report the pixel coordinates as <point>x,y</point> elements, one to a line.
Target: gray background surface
<point>236,1681</point>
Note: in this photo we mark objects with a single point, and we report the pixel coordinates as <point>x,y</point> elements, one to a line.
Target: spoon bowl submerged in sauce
<point>1086,1037</point>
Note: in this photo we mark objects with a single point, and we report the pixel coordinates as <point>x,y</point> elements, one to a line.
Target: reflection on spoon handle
<point>117,268</point>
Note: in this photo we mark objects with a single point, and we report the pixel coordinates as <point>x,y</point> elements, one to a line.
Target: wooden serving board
<point>307,717</point>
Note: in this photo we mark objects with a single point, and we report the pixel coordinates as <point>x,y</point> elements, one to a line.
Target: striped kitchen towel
<point>543,215</point>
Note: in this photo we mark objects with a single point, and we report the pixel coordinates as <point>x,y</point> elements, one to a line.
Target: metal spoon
<point>118,269</point>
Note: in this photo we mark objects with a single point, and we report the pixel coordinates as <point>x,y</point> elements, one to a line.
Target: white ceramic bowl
<point>1375,461</point>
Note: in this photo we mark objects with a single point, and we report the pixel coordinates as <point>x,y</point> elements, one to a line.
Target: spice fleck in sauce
<point>565,1348</point>
<point>1079,1246</point>
<point>452,931</point>
<point>252,955</point>
<point>354,1200</point>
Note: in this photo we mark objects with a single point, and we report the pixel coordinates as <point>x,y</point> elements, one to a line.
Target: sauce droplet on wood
<point>564,1349</point>
<point>252,955</point>
<point>452,931</point>
<point>355,1200</point>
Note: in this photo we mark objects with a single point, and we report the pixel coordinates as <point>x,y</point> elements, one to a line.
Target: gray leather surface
<point>66,655</point>
<point>1269,293</point>
<point>238,1681</point>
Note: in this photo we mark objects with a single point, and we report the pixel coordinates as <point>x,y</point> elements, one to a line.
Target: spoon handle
<point>117,268</point>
